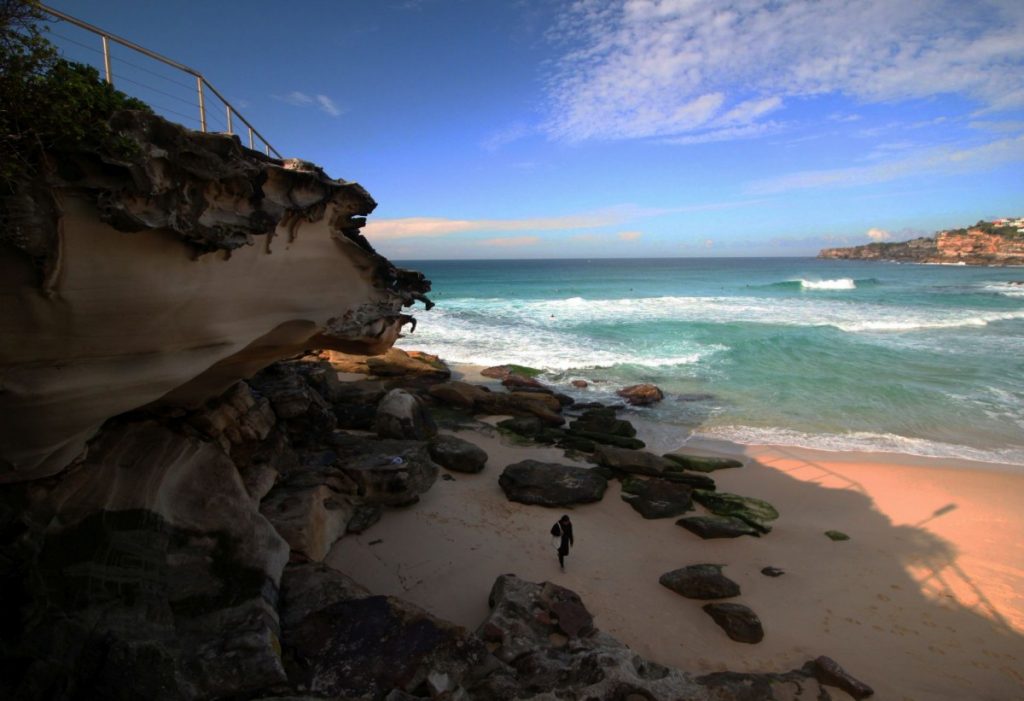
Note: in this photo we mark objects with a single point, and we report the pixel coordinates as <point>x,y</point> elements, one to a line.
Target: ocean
<point>834,355</point>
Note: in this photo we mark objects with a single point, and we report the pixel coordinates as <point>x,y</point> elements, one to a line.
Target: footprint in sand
<point>883,597</point>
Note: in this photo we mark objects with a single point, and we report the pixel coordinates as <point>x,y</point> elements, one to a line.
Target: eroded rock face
<point>190,267</point>
<point>152,564</point>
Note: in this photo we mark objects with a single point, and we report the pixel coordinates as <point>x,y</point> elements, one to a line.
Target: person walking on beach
<point>562,538</point>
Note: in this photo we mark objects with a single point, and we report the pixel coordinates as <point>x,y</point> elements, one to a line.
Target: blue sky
<point>544,129</point>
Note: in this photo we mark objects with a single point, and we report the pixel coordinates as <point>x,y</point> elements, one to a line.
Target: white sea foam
<point>486,341</point>
<point>862,441</point>
<point>853,318</point>
<point>1006,288</point>
<point>844,283</point>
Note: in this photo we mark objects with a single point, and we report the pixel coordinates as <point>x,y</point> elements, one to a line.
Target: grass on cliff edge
<point>49,104</point>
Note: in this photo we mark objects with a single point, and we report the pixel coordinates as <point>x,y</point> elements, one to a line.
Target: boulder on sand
<point>636,462</point>
<point>738,621</point>
<point>551,484</point>
<point>657,498</point>
<point>700,582</point>
<point>699,463</point>
<point>717,526</point>
<point>457,454</point>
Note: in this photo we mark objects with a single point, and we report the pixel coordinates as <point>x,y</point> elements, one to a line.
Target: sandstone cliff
<point>972,246</point>
<point>166,277</point>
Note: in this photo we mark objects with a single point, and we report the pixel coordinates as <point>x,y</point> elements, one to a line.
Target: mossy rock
<point>608,439</point>
<point>571,442</point>
<point>529,426</point>
<point>697,481</point>
<point>750,510</point>
<point>699,463</point>
<point>837,535</point>
<point>524,370</point>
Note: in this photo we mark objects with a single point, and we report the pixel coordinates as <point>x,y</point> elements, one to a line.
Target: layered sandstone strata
<point>167,276</point>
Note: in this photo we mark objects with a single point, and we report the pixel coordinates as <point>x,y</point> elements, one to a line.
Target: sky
<point>610,128</point>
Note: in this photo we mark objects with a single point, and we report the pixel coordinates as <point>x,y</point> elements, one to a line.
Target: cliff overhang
<point>162,277</point>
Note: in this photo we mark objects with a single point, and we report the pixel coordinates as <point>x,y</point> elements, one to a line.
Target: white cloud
<point>674,68</point>
<point>878,234</point>
<point>296,98</point>
<point>428,227</point>
<point>301,99</point>
<point>709,243</point>
<point>630,235</point>
<point>934,161</point>
<point>510,241</point>
<point>328,106</point>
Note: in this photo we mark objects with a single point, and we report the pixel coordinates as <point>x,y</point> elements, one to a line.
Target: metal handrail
<point>201,81</point>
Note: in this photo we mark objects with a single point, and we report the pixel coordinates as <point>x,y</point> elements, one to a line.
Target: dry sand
<point>926,601</point>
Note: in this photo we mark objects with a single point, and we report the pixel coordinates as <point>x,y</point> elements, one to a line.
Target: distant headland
<point>998,242</point>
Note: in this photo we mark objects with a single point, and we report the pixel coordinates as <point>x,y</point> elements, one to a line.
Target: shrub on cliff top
<point>49,104</point>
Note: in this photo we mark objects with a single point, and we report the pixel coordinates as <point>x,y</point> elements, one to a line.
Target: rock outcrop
<point>983,244</point>
<point>551,484</point>
<point>165,279</point>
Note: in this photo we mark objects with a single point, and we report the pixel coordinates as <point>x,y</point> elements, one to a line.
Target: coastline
<point>925,601</point>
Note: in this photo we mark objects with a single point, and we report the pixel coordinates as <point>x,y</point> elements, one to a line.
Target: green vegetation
<point>49,104</point>
<point>990,228</point>
<point>524,370</point>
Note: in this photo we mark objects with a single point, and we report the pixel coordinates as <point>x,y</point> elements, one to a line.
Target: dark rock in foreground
<point>699,463</point>
<point>546,647</point>
<point>827,671</point>
<point>738,621</point>
<point>700,582</point>
<point>551,484</point>
<point>772,572</point>
<point>540,654</point>
<point>764,686</point>
<point>657,498</point>
<point>344,642</point>
<point>457,454</point>
<point>717,526</point>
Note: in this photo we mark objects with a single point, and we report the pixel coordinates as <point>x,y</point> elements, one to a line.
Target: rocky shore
<point>218,480</point>
<point>978,245</point>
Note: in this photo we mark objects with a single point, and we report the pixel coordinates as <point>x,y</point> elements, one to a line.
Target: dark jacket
<point>565,531</point>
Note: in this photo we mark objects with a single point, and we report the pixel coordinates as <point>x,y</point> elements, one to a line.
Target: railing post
<point>266,147</point>
<point>202,104</point>
<point>106,59</point>
<point>228,108</point>
<point>250,138</point>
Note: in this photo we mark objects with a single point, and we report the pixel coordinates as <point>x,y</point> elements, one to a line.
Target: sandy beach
<point>925,601</point>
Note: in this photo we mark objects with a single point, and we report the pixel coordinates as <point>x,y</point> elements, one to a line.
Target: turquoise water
<point>826,354</point>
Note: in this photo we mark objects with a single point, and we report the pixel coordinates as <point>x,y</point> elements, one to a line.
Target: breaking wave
<point>861,441</point>
<point>541,316</point>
